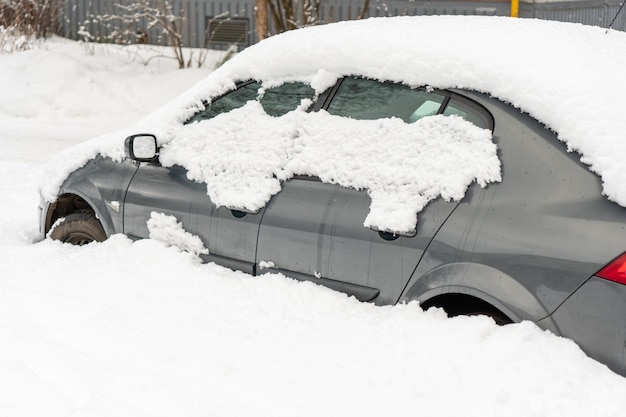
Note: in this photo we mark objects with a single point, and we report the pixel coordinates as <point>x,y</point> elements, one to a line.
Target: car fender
<point>477,280</point>
<point>101,184</point>
<point>93,197</point>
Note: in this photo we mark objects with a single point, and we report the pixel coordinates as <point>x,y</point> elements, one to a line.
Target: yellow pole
<point>514,8</point>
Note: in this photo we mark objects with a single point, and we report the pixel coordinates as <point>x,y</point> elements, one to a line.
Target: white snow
<point>169,231</point>
<point>267,264</point>
<point>139,329</point>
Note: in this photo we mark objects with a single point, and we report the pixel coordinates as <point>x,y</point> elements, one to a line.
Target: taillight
<point>615,270</point>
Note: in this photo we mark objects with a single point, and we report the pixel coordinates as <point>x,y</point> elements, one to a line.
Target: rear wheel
<point>79,228</point>
<point>496,315</point>
<point>465,305</point>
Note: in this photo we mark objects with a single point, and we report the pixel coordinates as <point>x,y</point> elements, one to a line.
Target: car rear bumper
<point>595,317</point>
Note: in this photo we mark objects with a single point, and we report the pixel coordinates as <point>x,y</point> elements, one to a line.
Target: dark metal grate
<point>228,31</point>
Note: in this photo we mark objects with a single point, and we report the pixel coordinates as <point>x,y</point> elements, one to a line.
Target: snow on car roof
<point>568,76</point>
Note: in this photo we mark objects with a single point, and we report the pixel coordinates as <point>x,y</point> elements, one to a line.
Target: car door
<point>158,189</point>
<point>297,236</point>
<point>228,233</point>
<point>167,189</point>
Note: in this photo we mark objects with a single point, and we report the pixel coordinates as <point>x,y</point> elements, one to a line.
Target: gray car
<point>536,246</point>
<point>543,244</point>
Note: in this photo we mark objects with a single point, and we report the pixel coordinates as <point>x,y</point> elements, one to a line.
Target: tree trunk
<point>364,9</point>
<point>262,29</point>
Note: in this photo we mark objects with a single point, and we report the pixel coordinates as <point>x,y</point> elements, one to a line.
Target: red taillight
<point>615,270</point>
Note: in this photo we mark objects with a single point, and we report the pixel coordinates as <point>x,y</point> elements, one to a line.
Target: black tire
<point>79,228</point>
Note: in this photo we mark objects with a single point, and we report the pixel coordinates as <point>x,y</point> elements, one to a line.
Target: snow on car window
<point>402,166</point>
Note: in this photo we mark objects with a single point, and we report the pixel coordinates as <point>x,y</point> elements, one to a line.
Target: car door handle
<point>238,213</point>
<point>388,235</point>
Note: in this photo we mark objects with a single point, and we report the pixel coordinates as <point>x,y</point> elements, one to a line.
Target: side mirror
<point>141,147</point>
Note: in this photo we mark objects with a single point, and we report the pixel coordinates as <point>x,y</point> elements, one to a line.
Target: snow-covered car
<point>401,159</point>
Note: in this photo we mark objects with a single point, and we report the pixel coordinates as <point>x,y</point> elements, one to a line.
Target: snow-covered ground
<point>140,329</point>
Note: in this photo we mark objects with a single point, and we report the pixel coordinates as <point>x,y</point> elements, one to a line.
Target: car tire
<point>79,228</point>
<point>464,305</point>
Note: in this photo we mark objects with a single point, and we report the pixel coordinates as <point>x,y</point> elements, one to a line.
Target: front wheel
<point>79,228</point>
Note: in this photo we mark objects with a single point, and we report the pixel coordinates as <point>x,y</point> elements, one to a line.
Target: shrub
<point>30,18</point>
<point>23,20</point>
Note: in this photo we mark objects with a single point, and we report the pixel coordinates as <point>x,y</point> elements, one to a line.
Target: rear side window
<point>276,101</point>
<point>365,99</point>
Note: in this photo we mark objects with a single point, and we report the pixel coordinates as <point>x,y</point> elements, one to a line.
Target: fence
<point>221,23</point>
<point>591,12</point>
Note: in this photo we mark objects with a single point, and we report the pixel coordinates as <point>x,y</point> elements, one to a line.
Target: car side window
<point>229,101</point>
<point>276,101</point>
<point>280,100</point>
<point>365,99</point>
